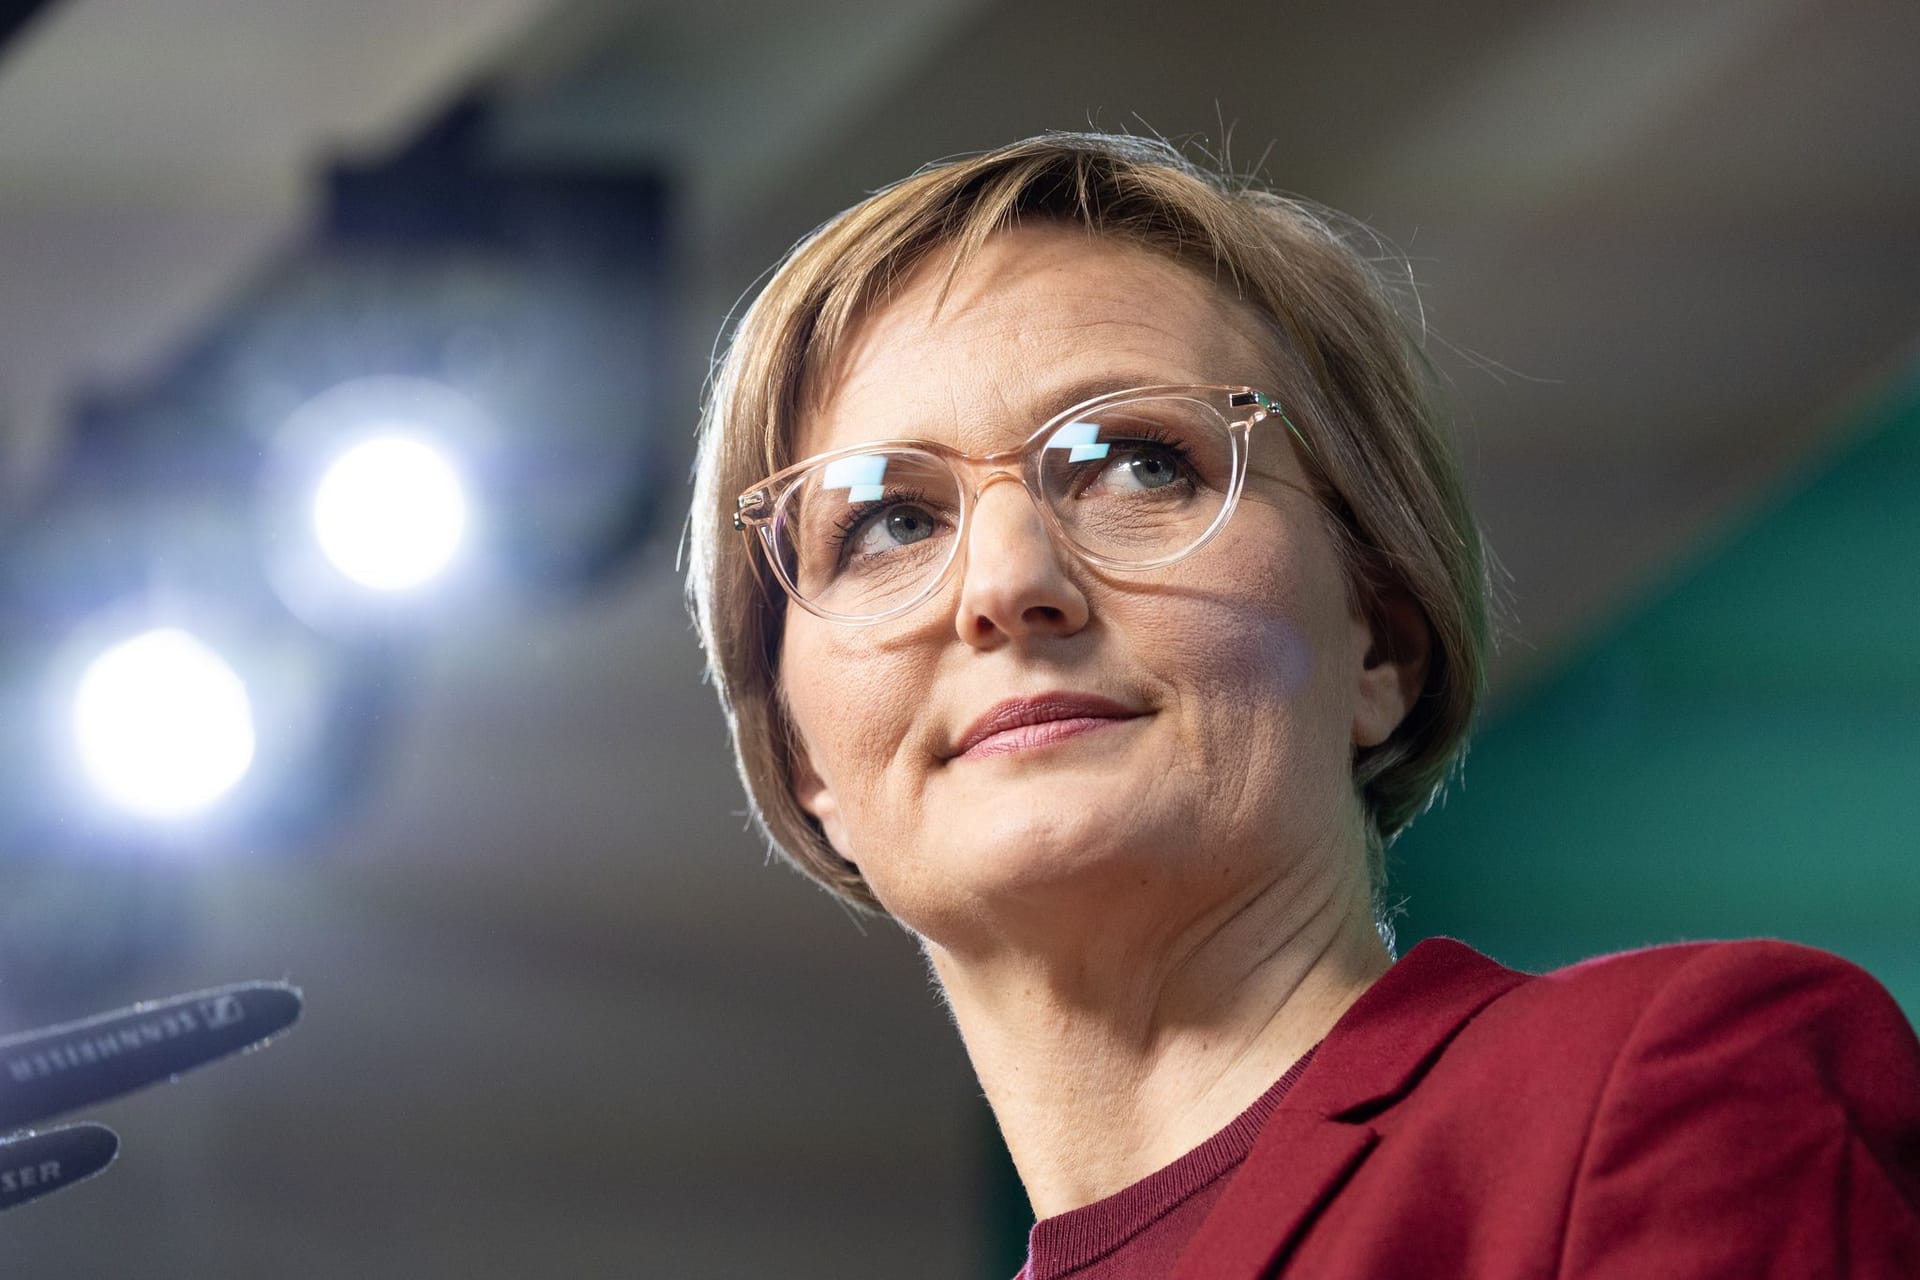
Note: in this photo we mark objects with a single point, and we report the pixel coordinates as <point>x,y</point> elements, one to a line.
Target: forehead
<point>1042,317</point>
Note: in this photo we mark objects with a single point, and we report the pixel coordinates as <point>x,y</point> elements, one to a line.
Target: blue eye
<point>1135,466</point>
<point>875,529</point>
<point>1149,467</point>
<point>896,526</point>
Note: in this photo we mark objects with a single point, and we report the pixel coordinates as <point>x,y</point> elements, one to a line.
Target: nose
<point>1016,584</point>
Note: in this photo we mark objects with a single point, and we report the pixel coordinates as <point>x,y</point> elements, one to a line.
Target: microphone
<point>53,1070</point>
<point>42,1163</point>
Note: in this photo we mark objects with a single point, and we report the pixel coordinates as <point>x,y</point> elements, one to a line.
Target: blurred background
<point>266,263</point>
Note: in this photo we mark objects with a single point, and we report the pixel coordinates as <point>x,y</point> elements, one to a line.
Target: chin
<point>1056,854</point>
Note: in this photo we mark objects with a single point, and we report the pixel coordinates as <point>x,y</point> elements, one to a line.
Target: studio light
<point>447,395</point>
<point>390,512</point>
<point>163,725</point>
<point>373,507</point>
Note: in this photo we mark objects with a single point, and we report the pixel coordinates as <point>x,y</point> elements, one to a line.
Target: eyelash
<point>856,516</point>
<point>1154,436</point>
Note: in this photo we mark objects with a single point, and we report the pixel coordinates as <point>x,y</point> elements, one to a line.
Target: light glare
<point>390,513</point>
<point>163,725</point>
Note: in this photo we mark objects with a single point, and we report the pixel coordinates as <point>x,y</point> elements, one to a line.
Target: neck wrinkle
<point>1104,1067</point>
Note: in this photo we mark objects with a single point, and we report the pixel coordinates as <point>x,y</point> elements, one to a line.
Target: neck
<point>1111,1055</point>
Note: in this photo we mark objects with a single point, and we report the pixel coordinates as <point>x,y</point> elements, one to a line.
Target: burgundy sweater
<point>1137,1233</point>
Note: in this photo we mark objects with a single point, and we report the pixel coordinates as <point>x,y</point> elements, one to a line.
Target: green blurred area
<point>1738,756</point>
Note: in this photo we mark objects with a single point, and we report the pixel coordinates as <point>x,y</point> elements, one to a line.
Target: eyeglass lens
<point>1132,483</point>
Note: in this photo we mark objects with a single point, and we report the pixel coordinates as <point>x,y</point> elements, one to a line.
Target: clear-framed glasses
<point>1130,480</point>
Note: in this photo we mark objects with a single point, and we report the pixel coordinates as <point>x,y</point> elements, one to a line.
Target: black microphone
<point>58,1069</point>
<point>42,1163</point>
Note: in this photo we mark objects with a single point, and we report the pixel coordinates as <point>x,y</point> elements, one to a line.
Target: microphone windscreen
<point>42,1163</point>
<point>57,1069</point>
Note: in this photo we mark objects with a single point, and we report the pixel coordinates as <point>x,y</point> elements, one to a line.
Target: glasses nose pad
<point>997,476</point>
<point>1033,511</point>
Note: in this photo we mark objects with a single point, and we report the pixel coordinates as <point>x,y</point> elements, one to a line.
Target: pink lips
<point>1020,723</point>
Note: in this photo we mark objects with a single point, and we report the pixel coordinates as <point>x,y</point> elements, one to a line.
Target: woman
<point>1106,602</point>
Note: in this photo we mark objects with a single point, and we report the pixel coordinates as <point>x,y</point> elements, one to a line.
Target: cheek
<point>1280,613</point>
<point>1261,649</point>
<point>852,704</point>
<point>1270,679</point>
<point>1250,676</point>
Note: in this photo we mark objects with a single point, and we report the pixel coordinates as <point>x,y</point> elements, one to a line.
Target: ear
<point>1394,671</point>
<point>811,793</point>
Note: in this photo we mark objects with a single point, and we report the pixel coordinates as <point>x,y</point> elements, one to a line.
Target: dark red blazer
<point>1732,1109</point>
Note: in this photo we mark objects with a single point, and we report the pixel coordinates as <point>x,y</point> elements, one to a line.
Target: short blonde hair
<point>1389,480</point>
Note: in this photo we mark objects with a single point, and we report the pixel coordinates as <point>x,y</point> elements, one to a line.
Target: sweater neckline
<point>1058,1245</point>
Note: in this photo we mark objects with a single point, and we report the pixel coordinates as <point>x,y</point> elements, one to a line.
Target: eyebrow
<point>1052,401</point>
<point>1058,399</point>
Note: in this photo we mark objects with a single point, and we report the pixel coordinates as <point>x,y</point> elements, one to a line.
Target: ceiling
<point>563,1016</point>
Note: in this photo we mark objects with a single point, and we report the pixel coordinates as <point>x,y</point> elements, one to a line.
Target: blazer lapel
<point>1270,1202</point>
<point>1319,1135</point>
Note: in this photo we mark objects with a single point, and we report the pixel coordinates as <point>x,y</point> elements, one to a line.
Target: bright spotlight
<point>390,513</point>
<point>163,724</point>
